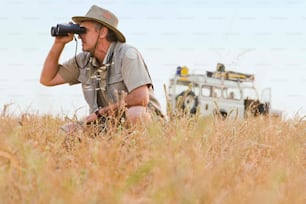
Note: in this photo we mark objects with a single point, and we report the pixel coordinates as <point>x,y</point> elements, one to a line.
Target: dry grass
<point>258,160</point>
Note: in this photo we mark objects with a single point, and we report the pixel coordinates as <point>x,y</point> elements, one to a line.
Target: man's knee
<point>136,114</point>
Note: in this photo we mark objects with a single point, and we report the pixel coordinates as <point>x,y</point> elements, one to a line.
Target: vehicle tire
<point>263,109</point>
<point>190,101</point>
<point>255,108</point>
<point>222,114</point>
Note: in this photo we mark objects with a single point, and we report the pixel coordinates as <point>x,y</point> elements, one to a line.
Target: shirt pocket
<point>116,87</point>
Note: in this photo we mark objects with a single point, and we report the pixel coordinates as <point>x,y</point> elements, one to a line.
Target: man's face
<point>89,39</point>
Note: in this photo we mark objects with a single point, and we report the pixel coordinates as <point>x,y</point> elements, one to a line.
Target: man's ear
<point>103,32</point>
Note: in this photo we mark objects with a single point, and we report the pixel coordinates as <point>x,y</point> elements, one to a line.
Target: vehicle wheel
<point>263,109</point>
<point>222,114</point>
<point>189,101</point>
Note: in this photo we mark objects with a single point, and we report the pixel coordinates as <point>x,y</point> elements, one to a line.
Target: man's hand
<point>91,118</point>
<point>63,39</point>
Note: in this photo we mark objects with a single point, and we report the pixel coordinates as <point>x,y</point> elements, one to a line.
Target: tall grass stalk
<point>184,160</point>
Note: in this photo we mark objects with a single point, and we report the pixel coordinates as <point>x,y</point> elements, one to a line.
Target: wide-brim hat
<point>103,16</point>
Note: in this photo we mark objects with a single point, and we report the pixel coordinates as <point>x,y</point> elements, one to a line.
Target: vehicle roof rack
<point>231,75</point>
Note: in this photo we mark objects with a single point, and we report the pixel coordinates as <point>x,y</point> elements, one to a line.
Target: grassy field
<point>258,160</point>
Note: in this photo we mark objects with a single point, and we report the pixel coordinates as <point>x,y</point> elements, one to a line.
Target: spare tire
<point>190,101</point>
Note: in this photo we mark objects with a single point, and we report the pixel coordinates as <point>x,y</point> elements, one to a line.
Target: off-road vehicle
<point>226,93</point>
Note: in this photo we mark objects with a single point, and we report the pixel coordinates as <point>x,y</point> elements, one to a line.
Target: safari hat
<point>103,16</point>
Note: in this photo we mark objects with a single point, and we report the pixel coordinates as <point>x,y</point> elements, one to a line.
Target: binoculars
<point>64,29</point>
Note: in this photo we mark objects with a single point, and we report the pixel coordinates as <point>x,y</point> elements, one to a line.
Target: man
<point>112,73</point>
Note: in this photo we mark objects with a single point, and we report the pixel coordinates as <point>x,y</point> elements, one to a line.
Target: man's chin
<point>83,48</point>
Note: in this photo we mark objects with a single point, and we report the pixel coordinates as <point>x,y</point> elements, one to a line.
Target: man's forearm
<point>112,108</point>
<point>138,97</point>
<point>50,67</point>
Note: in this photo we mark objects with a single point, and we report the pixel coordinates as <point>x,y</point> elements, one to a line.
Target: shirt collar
<point>109,52</point>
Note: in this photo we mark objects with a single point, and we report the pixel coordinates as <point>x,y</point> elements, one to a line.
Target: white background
<point>266,38</point>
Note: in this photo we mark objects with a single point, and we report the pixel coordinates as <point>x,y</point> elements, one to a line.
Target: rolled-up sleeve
<point>134,71</point>
<point>69,70</point>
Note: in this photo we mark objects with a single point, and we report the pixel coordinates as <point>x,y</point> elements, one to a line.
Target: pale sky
<point>266,38</point>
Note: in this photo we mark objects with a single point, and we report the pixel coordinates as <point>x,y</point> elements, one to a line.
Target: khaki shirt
<point>122,71</point>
